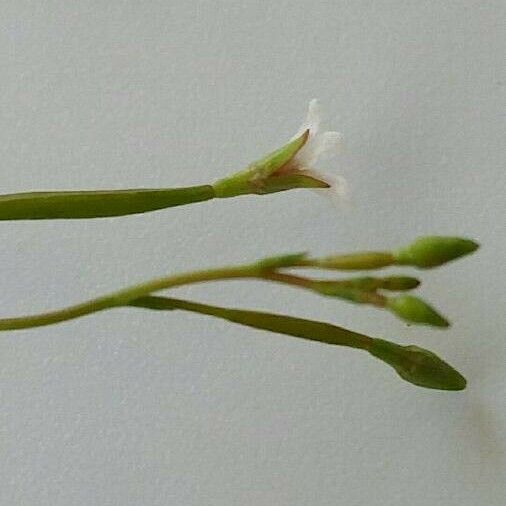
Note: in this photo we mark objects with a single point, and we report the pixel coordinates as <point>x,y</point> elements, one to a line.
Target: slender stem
<point>336,288</point>
<point>97,204</point>
<point>123,297</point>
<point>289,279</point>
<point>282,324</point>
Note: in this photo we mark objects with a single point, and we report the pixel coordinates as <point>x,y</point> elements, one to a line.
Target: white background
<point>131,407</point>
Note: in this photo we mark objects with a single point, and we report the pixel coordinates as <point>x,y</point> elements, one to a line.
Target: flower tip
<point>304,137</point>
<point>319,182</point>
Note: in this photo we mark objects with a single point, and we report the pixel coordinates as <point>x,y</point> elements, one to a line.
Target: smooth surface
<point>130,407</point>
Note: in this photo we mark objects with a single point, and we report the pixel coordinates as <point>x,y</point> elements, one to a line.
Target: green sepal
<point>269,164</point>
<point>283,182</point>
<point>253,180</point>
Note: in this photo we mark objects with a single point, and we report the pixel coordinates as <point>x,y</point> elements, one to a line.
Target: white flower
<point>319,144</point>
<point>291,166</point>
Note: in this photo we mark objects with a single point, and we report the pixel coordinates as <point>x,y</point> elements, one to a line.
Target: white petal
<point>322,145</point>
<point>338,193</point>
<point>314,117</point>
<point>313,120</point>
<point>306,156</point>
<point>328,143</point>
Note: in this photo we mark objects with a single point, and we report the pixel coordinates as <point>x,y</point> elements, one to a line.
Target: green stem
<point>342,289</point>
<point>282,324</point>
<point>123,297</point>
<point>97,204</point>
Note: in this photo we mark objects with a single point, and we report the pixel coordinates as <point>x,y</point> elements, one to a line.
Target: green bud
<point>432,251</point>
<point>418,366</point>
<point>414,310</point>
<point>265,175</point>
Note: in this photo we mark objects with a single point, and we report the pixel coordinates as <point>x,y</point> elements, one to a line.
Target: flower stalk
<point>416,365</point>
<point>287,168</point>
<point>342,289</point>
<point>290,167</point>
<point>70,205</point>
<point>364,290</point>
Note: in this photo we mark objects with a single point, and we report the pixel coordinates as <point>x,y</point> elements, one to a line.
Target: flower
<point>291,166</point>
<point>318,145</point>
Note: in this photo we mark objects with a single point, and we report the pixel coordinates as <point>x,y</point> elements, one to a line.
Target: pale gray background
<point>131,408</point>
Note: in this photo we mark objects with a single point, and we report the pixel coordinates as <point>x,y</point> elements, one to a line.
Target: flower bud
<point>418,366</point>
<point>414,310</point>
<point>432,251</point>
